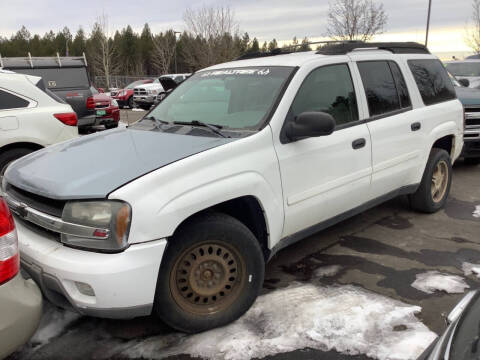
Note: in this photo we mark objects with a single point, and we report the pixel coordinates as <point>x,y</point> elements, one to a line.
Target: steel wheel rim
<point>207,278</point>
<point>439,181</point>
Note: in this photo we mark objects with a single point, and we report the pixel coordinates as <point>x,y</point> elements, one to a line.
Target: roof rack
<point>30,62</point>
<point>394,47</point>
<point>339,47</point>
<point>290,49</point>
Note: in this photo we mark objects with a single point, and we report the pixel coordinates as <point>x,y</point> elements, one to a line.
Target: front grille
<point>140,92</point>
<point>37,202</point>
<point>472,116</point>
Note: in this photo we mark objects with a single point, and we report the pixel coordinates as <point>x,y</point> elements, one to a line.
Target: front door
<point>325,176</point>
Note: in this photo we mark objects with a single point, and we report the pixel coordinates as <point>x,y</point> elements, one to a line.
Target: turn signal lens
<point>9,260</point>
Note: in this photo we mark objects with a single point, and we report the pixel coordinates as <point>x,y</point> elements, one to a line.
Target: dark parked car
<point>67,77</point>
<point>461,339</point>
<point>470,99</point>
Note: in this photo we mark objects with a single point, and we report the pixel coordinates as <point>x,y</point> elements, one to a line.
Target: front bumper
<point>20,309</point>
<point>123,283</point>
<point>144,99</point>
<point>86,121</point>
<point>471,148</point>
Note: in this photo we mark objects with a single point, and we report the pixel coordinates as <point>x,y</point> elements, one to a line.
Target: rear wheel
<point>433,191</point>
<point>9,156</point>
<point>211,274</point>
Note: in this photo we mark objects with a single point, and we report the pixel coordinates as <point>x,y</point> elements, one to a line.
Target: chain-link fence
<point>119,81</point>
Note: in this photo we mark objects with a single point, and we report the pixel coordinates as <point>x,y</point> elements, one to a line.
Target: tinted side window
<point>382,96</point>
<point>328,89</point>
<point>432,81</point>
<point>10,101</point>
<point>400,84</point>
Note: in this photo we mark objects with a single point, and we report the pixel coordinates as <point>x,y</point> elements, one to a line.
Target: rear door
<point>397,134</point>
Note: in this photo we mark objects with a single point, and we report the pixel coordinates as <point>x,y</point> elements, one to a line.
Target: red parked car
<point>124,97</point>
<point>106,109</point>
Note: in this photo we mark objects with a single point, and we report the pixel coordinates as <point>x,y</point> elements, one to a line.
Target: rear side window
<point>432,81</point>
<point>328,89</point>
<point>380,88</point>
<point>10,101</point>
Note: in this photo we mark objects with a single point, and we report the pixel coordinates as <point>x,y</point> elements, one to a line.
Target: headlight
<point>110,218</point>
<point>153,92</point>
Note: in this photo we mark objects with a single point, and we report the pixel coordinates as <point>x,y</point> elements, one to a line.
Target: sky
<point>264,19</point>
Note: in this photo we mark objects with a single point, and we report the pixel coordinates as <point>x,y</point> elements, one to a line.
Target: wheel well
<point>248,211</point>
<point>17,145</point>
<point>445,143</point>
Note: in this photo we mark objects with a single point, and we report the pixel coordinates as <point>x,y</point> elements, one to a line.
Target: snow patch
<point>432,281</point>
<point>469,269</point>
<point>53,323</point>
<point>137,109</point>
<point>345,318</point>
<point>476,212</point>
<point>327,271</point>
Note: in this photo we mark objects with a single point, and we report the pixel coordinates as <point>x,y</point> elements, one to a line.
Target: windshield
<point>135,83</point>
<point>464,68</point>
<point>239,98</point>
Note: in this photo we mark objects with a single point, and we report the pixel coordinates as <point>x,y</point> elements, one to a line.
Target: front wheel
<point>9,156</point>
<point>131,104</point>
<point>433,191</point>
<point>210,275</point>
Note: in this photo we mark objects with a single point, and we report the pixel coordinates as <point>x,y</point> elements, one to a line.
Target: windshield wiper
<point>214,128</point>
<point>157,122</point>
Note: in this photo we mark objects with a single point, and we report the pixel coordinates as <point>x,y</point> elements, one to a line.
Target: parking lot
<point>368,263</point>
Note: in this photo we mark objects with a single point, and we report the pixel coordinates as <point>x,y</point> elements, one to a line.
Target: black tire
<point>131,104</point>
<point>423,199</point>
<point>206,232</point>
<point>111,126</point>
<point>471,161</point>
<point>9,156</point>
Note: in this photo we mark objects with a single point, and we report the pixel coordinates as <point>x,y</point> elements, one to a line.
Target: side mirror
<point>310,124</point>
<point>464,82</point>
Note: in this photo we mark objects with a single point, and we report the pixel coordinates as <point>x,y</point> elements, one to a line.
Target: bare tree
<point>103,55</point>
<point>355,19</point>
<point>163,51</point>
<point>210,36</point>
<point>472,37</point>
<point>210,22</point>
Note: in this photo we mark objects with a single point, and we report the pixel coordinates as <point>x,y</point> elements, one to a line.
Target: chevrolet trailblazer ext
<point>239,161</point>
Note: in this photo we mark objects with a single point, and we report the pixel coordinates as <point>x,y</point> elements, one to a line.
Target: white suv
<point>240,161</point>
<point>31,117</point>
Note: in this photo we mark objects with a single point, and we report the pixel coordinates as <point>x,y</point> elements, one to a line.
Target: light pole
<point>175,50</point>
<point>428,21</point>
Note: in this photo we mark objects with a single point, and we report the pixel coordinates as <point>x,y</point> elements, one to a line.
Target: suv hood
<point>95,165</point>
<point>468,96</point>
<point>154,86</point>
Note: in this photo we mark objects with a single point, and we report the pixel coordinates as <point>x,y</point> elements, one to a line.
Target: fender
<point>163,199</point>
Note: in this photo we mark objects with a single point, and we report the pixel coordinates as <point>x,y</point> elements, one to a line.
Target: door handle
<point>358,144</point>
<point>416,126</point>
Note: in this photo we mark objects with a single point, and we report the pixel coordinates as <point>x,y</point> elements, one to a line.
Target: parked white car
<point>466,69</point>
<point>144,95</point>
<point>241,160</point>
<point>31,117</point>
